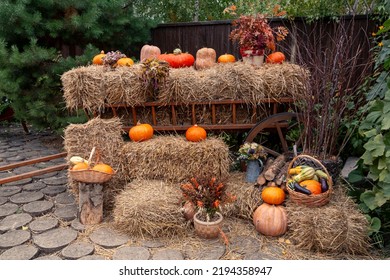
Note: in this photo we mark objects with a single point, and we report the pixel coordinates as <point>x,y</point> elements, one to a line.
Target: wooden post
<point>90,203</point>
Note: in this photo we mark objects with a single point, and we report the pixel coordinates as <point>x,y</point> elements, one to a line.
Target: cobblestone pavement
<point>38,219</point>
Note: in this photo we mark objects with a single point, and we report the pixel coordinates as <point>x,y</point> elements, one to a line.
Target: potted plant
<point>252,154</point>
<point>254,36</point>
<point>207,196</point>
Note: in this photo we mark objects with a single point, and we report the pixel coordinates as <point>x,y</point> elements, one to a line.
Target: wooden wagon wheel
<point>280,121</point>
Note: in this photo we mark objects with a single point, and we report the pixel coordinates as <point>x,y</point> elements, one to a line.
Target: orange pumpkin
<point>270,220</point>
<point>98,59</point>
<point>196,133</point>
<point>178,59</point>
<point>141,132</point>
<point>205,58</point>
<point>226,58</point>
<point>276,57</point>
<point>105,168</point>
<point>273,195</point>
<point>80,166</point>
<point>312,185</point>
<point>149,51</point>
<point>125,61</point>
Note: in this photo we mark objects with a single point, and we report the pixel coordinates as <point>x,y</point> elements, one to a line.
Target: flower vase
<point>257,60</point>
<point>208,230</point>
<point>253,169</point>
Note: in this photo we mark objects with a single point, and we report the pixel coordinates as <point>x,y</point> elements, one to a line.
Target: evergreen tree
<point>32,35</point>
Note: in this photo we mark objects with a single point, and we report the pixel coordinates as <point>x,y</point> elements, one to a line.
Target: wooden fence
<point>190,37</point>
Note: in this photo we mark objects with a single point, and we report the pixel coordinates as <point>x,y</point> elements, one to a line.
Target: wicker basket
<point>90,176</point>
<point>304,199</point>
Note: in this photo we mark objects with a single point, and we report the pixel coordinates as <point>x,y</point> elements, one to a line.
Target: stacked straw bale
<point>173,158</point>
<point>106,136</point>
<point>337,228</point>
<point>90,87</point>
<point>149,208</point>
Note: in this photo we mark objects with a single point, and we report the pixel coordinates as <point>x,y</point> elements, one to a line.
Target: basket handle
<point>91,155</point>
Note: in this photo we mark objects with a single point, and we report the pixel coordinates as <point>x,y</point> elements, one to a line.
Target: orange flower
<point>233,7</point>
<point>199,203</point>
<point>216,204</point>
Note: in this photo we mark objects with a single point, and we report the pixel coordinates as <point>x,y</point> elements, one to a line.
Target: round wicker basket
<point>304,199</point>
<point>90,176</point>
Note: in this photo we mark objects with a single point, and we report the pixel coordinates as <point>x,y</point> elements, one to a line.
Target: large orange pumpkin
<point>276,57</point>
<point>141,132</point>
<point>196,133</point>
<point>98,59</point>
<point>273,195</point>
<point>125,61</point>
<point>149,51</point>
<point>312,185</point>
<point>226,58</point>
<point>270,220</point>
<point>105,168</point>
<point>178,59</point>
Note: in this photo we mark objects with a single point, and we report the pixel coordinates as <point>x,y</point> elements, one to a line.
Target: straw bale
<point>89,87</point>
<point>248,197</point>
<point>173,158</point>
<point>149,208</point>
<point>106,136</point>
<point>338,227</point>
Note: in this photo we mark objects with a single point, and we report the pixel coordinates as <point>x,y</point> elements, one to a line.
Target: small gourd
<point>98,59</point>
<point>125,61</point>
<point>273,195</point>
<point>226,58</point>
<point>205,58</point>
<point>196,133</point>
<point>276,57</point>
<point>141,132</point>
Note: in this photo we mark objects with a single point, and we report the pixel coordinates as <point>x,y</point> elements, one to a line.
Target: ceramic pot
<point>208,230</point>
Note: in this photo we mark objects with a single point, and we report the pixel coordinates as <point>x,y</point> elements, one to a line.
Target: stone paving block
<point>65,198</point>
<point>24,169</point>
<point>77,225</point>
<point>38,208</point>
<point>8,209</point>
<point>66,212</point>
<point>14,221</point>
<point>131,253</point>
<point>26,197</point>
<point>43,224</point>
<point>93,257</point>
<point>77,250</point>
<point>19,182</point>
<point>209,250</point>
<point>9,190</point>
<point>21,252</point>
<point>34,186</point>
<point>152,244</point>
<point>55,181</point>
<point>245,244</point>
<point>168,254</point>
<point>3,200</point>
<point>108,238</point>
<point>54,190</point>
<point>48,258</point>
<point>14,238</point>
<point>55,239</point>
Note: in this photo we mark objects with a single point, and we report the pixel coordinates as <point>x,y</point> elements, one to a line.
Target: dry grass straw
<point>336,228</point>
<point>90,87</point>
<point>248,197</point>
<point>106,136</point>
<point>149,208</point>
<point>175,159</point>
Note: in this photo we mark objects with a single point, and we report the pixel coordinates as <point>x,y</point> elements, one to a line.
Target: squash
<point>273,195</point>
<point>125,61</point>
<point>80,166</point>
<point>102,167</point>
<point>141,132</point>
<point>270,220</point>
<point>98,59</point>
<point>149,51</point>
<point>196,133</point>
<point>205,58</point>
<point>312,185</point>
<point>306,173</point>
<point>177,59</point>
<point>276,57</point>
<point>226,58</point>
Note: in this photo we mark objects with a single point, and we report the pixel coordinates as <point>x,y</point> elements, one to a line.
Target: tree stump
<point>90,203</point>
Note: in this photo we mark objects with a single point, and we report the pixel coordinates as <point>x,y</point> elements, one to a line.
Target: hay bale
<point>248,197</point>
<point>175,159</point>
<point>149,208</point>
<point>90,87</point>
<point>338,227</point>
<point>106,136</point>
